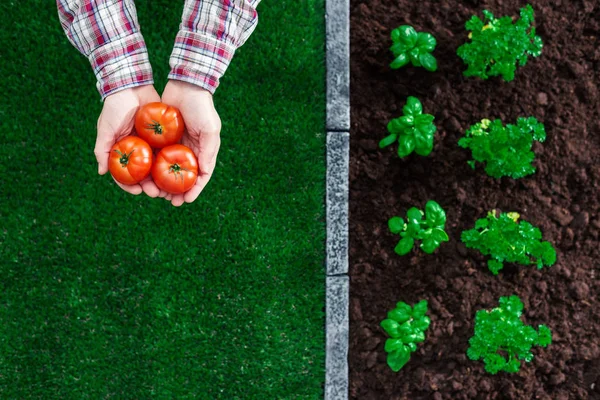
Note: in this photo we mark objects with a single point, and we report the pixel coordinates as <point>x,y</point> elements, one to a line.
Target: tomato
<point>130,160</point>
<point>175,169</point>
<point>159,124</point>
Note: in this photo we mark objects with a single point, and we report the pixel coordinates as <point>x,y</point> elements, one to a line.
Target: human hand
<point>116,121</point>
<point>202,132</point>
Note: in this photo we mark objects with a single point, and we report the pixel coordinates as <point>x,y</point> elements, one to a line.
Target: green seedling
<point>498,45</point>
<point>505,150</point>
<point>502,340</point>
<point>427,227</point>
<point>414,130</point>
<point>414,47</point>
<point>406,325</point>
<point>506,240</point>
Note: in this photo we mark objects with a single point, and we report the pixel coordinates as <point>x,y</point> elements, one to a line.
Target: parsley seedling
<point>506,150</point>
<point>406,325</point>
<point>430,231</point>
<point>414,131</point>
<point>506,240</point>
<point>497,45</point>
<point>414,47</point>
<point>502,340</point>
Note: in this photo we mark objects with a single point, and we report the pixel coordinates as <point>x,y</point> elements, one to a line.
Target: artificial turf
<point>108,295</point>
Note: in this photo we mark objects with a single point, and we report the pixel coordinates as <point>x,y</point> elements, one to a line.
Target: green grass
<point>108,295</point>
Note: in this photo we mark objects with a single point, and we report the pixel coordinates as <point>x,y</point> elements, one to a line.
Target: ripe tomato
<point>130,160</point>
<point>159,124</point>
<point>175,169</point>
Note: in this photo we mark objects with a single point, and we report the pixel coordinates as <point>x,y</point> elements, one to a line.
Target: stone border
<point>337,37</point>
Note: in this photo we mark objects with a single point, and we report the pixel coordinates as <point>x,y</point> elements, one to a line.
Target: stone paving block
<point>337,328</point>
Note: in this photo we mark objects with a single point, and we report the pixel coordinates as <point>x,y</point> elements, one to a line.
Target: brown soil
<point>562,198</point>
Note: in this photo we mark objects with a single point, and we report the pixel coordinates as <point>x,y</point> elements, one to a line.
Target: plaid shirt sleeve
<point>209,34</point>
<point>108,33</point>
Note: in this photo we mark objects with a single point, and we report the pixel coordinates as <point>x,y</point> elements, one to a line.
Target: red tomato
<point>159,124</point>
<point>130,160</point>
<point>175,169</point>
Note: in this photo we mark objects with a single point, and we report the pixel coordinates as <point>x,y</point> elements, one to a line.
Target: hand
<point>202,132</point>
<point>117,121</point>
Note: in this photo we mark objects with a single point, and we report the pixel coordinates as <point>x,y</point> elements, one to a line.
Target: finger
<point>104,143</point>
<point>133,189</point>
<point>149,187</point>
<point>205,173</point>
<point>162,194</point>
<point>177,200</point>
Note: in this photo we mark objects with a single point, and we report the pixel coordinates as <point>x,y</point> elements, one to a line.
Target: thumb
<point>104,143</point>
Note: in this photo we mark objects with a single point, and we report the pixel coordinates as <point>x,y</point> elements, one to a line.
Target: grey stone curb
<point>337,37</point>
<point>336,355</point>
<point>338,155</point>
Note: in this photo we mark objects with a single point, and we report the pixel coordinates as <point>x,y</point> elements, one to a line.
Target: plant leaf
<point>435,214</point>
<point>419,309</point>
<point>413,107</point>
<point>429,245</point>
<point>388,140</point>
<point>399,315</point>
<point>396,224</point>
<point>406,35</point>
<point>404,246</point>
<point>391,327</point>
<point>398,358</point>
<point>428,61</point>
<point>400,61</point>
<point>392,345</point>
<point>426,42</point>
<point>406,145</point>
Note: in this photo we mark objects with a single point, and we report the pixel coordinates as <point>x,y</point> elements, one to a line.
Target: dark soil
<point>562,198</point>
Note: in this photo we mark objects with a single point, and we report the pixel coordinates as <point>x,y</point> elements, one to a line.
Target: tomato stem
<point>177,169</point>
<point>156,127</point>
<point>124,160</point>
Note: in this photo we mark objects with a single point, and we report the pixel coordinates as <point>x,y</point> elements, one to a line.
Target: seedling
<point>414,131</point>
<point>497,45</point>
<point>507,240</point>
<point>502,340</point>
<point>414,47</point>
<point>506,150</point>
<point>430,231</point>
<point>406,325</point>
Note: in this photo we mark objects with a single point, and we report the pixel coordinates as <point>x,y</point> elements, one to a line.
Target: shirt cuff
<point>120,64</point>
<point>199,59</point>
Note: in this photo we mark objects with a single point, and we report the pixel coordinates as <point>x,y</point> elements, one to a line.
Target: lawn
<point>108,295</point>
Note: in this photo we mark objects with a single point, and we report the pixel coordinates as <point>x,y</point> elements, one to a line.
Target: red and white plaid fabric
<point>108,33</point>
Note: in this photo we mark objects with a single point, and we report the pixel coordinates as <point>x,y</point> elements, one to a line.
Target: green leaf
<point>398,358</point>
<point>439,235</point>
<point>495,266</point>
<point>435,214</point>
<point>414,214</point>
<point>426,42</point>
<point>422,323</point>
<point>413,107</point>
<point>393,345</point>
<point>481,223</point>
<point>391,327</point>
<point>396,224</point>
<point>388,140</point>
<point>420,309</point>
<point>400,61</point>
<point>407,35</point>
<point>399,315</point>
<point>406,145</point>
<point>429,245</point>
<point>404,246</point>
<point>544,336</point>
<point>428,62</point>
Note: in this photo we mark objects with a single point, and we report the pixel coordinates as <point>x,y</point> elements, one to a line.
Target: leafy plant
<point>502,340</point>
<point>414,130</point>
<point>497,45</point>
<point>430,231</point>
<point>412,46</point>
<point>506,150</point>
<point>506,240</point>
<point>406,325</point>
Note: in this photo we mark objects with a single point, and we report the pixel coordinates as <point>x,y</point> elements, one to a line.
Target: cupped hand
<point>117,121</point>
<point>202,132</point>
